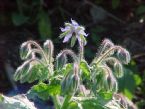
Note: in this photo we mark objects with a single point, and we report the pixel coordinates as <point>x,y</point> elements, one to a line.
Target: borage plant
<point>69,80</point>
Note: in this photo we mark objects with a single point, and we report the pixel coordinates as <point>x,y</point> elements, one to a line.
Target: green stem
<point>66,101</point>
<point>81,55</point>
<point>98,60</point>
<point>56,102</point>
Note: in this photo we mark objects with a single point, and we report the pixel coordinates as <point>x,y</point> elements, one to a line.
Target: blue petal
<point>65,29</point>
<point>74,23</point>
<point>67,37</point>
<point>83,33</point>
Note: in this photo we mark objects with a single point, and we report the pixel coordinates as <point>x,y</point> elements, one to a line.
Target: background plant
<point>71,81</point>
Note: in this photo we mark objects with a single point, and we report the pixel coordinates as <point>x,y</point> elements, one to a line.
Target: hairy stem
<point>56,102</point>
<point>66,101</point>
<point>98,60</point>
<point>81,52</point>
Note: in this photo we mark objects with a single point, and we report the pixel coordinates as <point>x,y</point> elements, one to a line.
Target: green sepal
<point>73,41</point>
<point>63,34</point>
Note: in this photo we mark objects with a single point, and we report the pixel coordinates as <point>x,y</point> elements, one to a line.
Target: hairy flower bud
<point>61,60</point>
<point>24,50</point>
<point>123,55</point>
<point>118,68</point>
<point>106,44</point>
<point>112,83</point>
<point>71,82</point>
<point>106,79</point>
<point>49,48</point>
<point>22,70</point>
<point>121,100</point>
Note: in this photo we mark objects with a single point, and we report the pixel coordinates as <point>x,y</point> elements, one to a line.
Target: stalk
<point>56,102</point>
<point>105,54</point>
<point>81,52</point>
<point>66,101</point>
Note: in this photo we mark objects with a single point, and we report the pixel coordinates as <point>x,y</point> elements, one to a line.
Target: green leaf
<point>137,79</point>
<point>128,94</point>
<point>73,105</point>
<point>140,9</point>
<point>127,83</point>
<point>85,68</point>
<point>115,3</point>
<point>43,91</point>
<point>92,104</point>
<point>44,25</point>
<point>106,95</point>
<point>19,19</point>
<point>67,69</point>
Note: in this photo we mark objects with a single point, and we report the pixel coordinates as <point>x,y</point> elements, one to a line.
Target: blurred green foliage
<point>131,80</point>
<point>25,16</point>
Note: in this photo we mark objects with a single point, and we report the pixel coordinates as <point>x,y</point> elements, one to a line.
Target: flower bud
<point>71,82</point>
<point>22,70</point>
<point>112,83</point>
<point>61,60</point>
<point>106,44</point>
<point>123,55</point>
<point>24,50</point>
<point>49,47</point>
<point>118,68</point>
<point>122,101</point>
<point>106,79</point>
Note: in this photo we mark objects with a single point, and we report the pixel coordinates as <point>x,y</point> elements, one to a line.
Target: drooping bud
<point>106,44</point>
<point>61,60</point>
<point>48,50</point>
<point>106,79</point>
<point>22,70</point>
<point>71,82</point>
<point>121,100</point>
<point>118,69</point>
<point>24,50</point>
<point>124,56</point>
<point>49,47</point>
<point>112,83</point>
<point>70,53</point>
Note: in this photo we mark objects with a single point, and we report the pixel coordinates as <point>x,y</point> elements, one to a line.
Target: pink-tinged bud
<point>124,56</point>
<point>112,83</point>
<point>106,44</point>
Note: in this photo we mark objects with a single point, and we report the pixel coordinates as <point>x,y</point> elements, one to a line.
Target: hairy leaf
<point>43,91</point>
